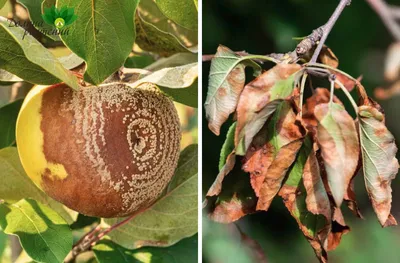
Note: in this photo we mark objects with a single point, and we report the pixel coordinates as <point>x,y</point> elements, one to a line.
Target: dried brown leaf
<point>327,57</point>
<point>338,141</point>
<point>259,100</point>
<point>380,165</point>
<point>216,187</point>
<point>235,199</point>
<point>321,95</point>
<point>306,199</point>
<point>339,228</point>
<point>281,130</point>
<point>276,173</point>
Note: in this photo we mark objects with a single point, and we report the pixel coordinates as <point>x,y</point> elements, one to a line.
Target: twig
<point>91,238</point>
<point>328,27</point>
<point>388,17</point>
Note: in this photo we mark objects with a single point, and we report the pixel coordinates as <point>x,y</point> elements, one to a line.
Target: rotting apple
<point>104,151</point>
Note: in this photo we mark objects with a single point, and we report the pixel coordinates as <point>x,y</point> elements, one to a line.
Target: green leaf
<point>35,63</point>
<point>173,217</point>
<point>34,8</point>
<point>182,12</point>
<point>178,82</point>
<point>338,140</point>
<point>139,61</point>
<point>71,61</point>
<point>43,234</point>
<point>380,165</point>
<point>8,77</point>
<point>175,60</point>
<point>228,146</point>
<point>2,3</point>
<point>156,33</point>
<point>103,35</point>
<point>16,185</point>
<point>3,243</point>
<point>8,119</point>
<point>184,251</point>
<point>83,221</point>
<point>226,82</point>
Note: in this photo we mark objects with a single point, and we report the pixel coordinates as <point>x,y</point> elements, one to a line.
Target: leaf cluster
<point>305,150</point>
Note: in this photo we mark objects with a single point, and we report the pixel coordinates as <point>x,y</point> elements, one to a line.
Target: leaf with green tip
<point>185,251</point>
<point>178,82</point>
<point>306,199</point>
<point>226,82</point>
<point>103,35</point>
<point>272,152</point>
<point>172,217</point>
<point>156,33</point>
<point>34,8</point>
<point>8,119</point>
<point>259,100</point>
<point>17,185</point>
<point>338,139</point>
<point>35,63</point>
<point>182,12</point>
<point>235,197</point>
<point>380,165</point>
<point>43,234</point>
<point>228,146</point>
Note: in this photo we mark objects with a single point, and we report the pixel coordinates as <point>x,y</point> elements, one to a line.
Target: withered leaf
<point>338,141</point>
<point>281,130</point>
<point>276,173</point>
<point>380,165</point>
<point>226,82</point>
<point>321,95</point>
<point>236,198</point>
<point>305,197</point>
<point>259,100</point>
<point>327,57</point>
<point>339,228</point>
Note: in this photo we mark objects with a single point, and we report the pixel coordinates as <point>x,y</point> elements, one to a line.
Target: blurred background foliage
<point>359,40</point>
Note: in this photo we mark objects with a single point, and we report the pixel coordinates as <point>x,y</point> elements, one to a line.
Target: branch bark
<point>328,27</point>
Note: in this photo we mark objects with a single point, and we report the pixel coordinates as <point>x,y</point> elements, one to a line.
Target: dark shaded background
<point>360,41</point>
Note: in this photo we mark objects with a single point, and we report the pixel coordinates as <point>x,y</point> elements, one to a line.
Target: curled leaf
<point>305,197</point>
<point>259,100</point>
<point>226,81</point>
<point>235,198</point>
<point>338,140</point>
<point>380,165</point>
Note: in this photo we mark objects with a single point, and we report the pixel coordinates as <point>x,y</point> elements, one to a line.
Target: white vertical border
<point>200,129</point>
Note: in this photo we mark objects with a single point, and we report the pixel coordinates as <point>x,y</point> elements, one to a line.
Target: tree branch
<point>92,237</point>
<point>388,16</point>
<point>328,27</point>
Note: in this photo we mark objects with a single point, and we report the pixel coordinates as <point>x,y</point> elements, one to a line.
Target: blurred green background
<point>360,41</point>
